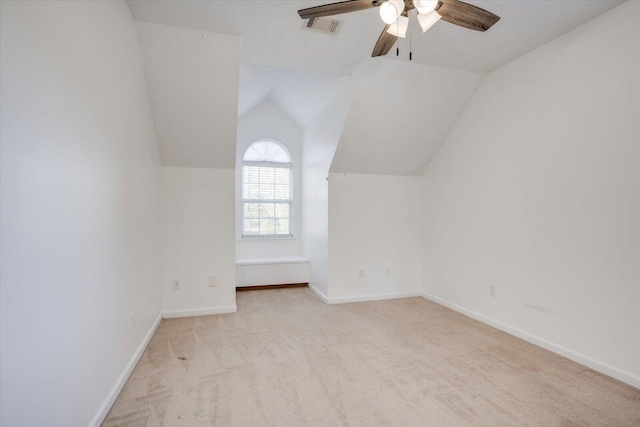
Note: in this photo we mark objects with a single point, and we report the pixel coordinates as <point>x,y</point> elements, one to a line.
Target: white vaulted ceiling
<point>400,114</point>
<point>300,95</point>
<point>272,31</point>
<point>193,94</point>
<point>401,110</point>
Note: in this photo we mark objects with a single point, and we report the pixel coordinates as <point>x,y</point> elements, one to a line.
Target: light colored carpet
<point>287,359</point>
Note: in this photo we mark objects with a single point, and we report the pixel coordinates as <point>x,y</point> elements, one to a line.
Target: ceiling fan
<point>395,14</point>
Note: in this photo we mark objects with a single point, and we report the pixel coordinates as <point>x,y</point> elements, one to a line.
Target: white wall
<point>272,272</point>
<point>374,224</point>
<point>320,140</point>
<point>198,241</point>
<point>267,121</point>
<point>79,208</point>
<point>536,191</point>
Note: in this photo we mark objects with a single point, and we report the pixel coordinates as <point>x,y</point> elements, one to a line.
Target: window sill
<point>251,238</point>
<point>268,261</point>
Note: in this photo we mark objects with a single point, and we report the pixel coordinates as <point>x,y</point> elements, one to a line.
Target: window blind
<point>266,196</point>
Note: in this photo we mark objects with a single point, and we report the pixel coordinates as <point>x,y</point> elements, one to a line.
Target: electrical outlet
<point>361,273</point>
<point>176,285</point>
<point>492,291</point>
<point>387,271</point>
<point>213,281</point>
<point>134,319</point>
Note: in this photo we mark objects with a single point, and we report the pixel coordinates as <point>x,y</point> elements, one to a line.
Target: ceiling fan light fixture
<point>425,6</point>
<point>391,10</point>
<point>397,12</point>
<point>427,20</point>
<point>399,28</point>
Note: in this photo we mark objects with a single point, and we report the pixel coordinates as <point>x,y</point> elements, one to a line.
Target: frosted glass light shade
<point>391,10</point>
<point>427,21</point>
<point>399,28</point>
<point>425,6</point>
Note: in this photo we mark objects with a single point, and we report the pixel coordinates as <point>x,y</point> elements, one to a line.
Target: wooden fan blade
<point>384,44</point>
<point>466,15</point>
<point>337,8</point>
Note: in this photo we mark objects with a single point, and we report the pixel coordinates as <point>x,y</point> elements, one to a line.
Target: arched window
<point>266,190</point>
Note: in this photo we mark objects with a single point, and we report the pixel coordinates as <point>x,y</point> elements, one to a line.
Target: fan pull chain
<point>397,38</point>
<point>410,45</point>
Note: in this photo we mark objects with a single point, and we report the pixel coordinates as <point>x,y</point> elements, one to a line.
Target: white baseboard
<point>619,374</point>
<point>99,417</point>
<point>170,314</point>
<point>373,297</point>
<point>362,298</point>
<point>317,291</point>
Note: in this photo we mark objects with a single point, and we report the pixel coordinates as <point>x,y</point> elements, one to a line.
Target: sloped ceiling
<point>300,95</point>
<point>272,32</point>
<point>401,110</point>
<point>524,25</point>
<point>401,113</point>
<point>192,79</point>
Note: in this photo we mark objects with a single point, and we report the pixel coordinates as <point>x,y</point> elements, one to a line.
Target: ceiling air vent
<point>324,25</point>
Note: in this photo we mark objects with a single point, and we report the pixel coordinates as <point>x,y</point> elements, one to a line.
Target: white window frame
<point>289,201</point>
